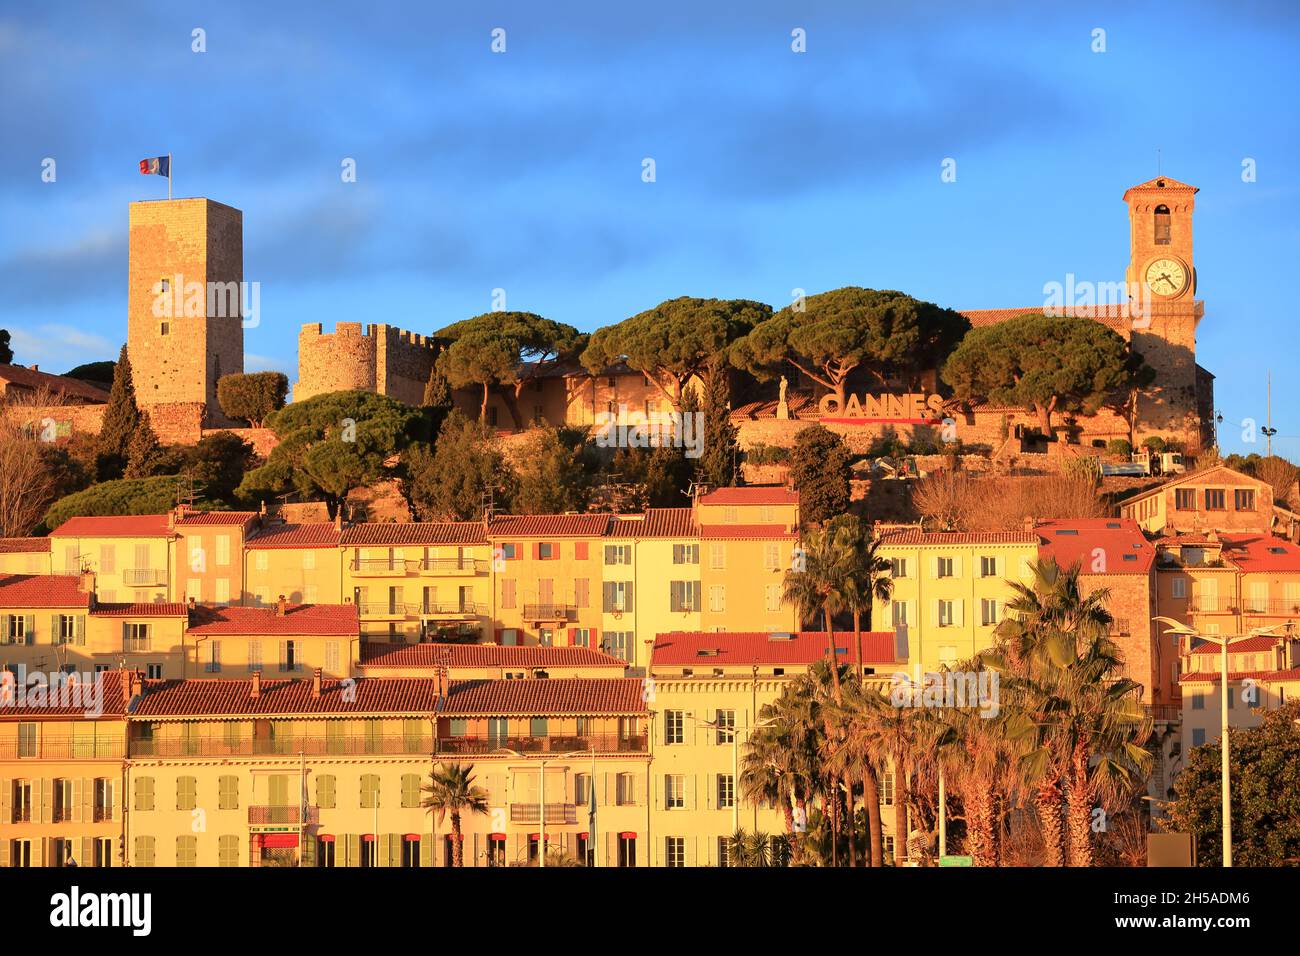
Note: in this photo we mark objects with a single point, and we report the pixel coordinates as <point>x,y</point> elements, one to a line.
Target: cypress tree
<point>143,453</point>
<point>716,467</point>
<point>121,420</point>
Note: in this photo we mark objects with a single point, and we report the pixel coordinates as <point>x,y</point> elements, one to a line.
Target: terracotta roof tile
<point>1260,642</point>
<point>1114,316</point>
<point>160,609</point>
<point>910,536</point>
<point>1212,677</point>
<point>550,526</point>
<point>377,654</point>
<point>1260,553</point>
<point>655,523</point>
<point>1078,540</point>
<point>314,534</point>
<point>750,532</point>
<point>58,384</point>
<point>200,697</point>
<point>751,495</point>
<point>42,590</point>
<point>207,518</point>
<point>419,532</point>
<point>552,696</point>
<point>299,619</point>
<point>67,703</point>
<point>114,526</point>
<point>713,649</point>
<point>24,545</point>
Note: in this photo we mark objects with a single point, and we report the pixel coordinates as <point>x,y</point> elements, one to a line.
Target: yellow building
<point>1228,583</point>
<point>24,556</point>
<point>132,556</point>
<point>949,589</point>
<point>706,691</point>
<point>209,558</point>
<point>285,639</point>
<point>61,771</point>
<point>486,661</point>
<point>302,562</point>
<point>1263,674</point>
<point>1218,498</point>
<point>414,582</point>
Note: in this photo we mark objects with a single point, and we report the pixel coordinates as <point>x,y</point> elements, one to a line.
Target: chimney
<point>1030,522</point>
<point>280,605</point>
<point>338,519</point>
<point>87,585</point>
<point>193,604</point>
<point>315,684</point>
<point>255,687</point>
<point>36,368</point>
<point>134,685</point>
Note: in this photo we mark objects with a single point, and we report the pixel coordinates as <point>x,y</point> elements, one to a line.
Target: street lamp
<point>541,795</point>
<point>1224,642</point>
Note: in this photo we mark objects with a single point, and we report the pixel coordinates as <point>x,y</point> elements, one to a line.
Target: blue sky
<point>774,170</point>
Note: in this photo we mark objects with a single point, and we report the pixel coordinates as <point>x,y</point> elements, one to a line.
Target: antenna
<point>1159,171</point>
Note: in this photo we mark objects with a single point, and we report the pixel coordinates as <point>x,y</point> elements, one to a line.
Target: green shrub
<point>125,496</point>
<point>1119,446</point>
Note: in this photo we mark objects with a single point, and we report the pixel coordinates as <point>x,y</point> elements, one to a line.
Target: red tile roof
<point>1260,642</point>
<point>1212,677</point>
<point>550,526</point>
<point>160,609</point>
<point>69,704</point>
<point>205,518</point>
<point>204,697</point>
<point>299,619</point>
<point>24,545</point>
<point>550,697</point>
<point>798,405</point>
<point>916,536</point>
<point>751,532</point>
<point>1123,547</point>
<point>751,495</point>
<point>655,523</point>
<point>418,532</point>
<point>114,526</point>
<point>34,379</point>
<point>315,534</point>
<point>376,654</point>
<point>1261,553</point>
<point>697,648</point>
<point>42,590</point>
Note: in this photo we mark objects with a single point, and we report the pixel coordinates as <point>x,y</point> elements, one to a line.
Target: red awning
<point>411,837</point>
<point>326,838</point>
<point>496,836</point>
<point>279,840</point>
<point>627,835</point>
<point>584,835</point>
<point>534,836</point>
<point>367,838</point>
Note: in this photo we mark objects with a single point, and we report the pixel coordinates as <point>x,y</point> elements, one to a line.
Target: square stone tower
<point>184,307</point>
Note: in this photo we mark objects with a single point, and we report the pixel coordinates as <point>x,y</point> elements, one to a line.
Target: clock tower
<point>1164,311</point>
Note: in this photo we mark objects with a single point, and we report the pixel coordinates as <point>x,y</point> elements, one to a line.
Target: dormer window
<point>1162,225</point>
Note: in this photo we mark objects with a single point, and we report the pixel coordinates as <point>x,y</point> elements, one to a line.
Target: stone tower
<point>1162,271</point>
<point>184,309</point>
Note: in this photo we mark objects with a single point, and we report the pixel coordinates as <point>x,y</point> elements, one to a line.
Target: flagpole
<point>169,177</point>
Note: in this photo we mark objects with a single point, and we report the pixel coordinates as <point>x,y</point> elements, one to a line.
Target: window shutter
<point>80,630</point>
<point>78,800</point>
<point>426,850</point>
<point>4,854</point>
<point>30,637</point>
<point>956,566</point>
<point>959,612</point>
<point>1002,568</point>
<point>934,613</point>
<point>537,550</point>
<point>38,851</point>
<point>54,628</point>
<point>47,801</point>
<point>6,804</point>
<point>573,633</point>
<point>87,857</point>
<point>309,851</point>
<point>690,792</point>
<point>608,596</point>
<point>629,607</point>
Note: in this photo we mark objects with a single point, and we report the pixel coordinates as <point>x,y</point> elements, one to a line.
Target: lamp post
<point>1224,642</point>
<point>541,795</point>
<point>735,760</point>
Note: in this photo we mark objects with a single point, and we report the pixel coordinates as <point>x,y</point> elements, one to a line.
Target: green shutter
<point>81,630</point>
<point>308,851</point>
<point>144,851</point>
<point>144,793</point>
<point>426,850</point>
<point>31,629</point>
<point>352,854</point>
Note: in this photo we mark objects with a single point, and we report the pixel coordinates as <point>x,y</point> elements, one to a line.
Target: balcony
<point>1278,606</point>
<point>378,567</point>
<point>1210,605</point>
<point>452,566</point>
<point>555,813</point>
<point>62,748</point>
<point>601,743</point>
<point>541,613</point>
<point>144,577</point>
<point>393,610</point>
<point>455,610</point>
<point>264,816</point>
<point>291,746</point>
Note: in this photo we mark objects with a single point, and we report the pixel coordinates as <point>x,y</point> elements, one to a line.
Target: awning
<point>496,836</point>
<point>411,837</point>
<point>627,835</point>
<point>326,838</point>
<point>275,841</point>
<point>367,838</point>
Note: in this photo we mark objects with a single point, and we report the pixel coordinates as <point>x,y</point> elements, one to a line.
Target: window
<point>1185,499</point>
<point>1198,700</point>
<point>261,561</point>
<point>221,593</point>
<point>546,551</point>
<point>618,644</point>
<point>1214,499</point>
<point>290,656</point>
<point>724,851</point>
<point>537,726</point>
<point>887,788</point>
<point>717,555</point>
<point>617,596</point>
<point>325,791</point>
<point>135,638</point>
<point>674,851</point>
<point>164,328</point>
<point>618,554</point>
<point>674,791</point>
<point>900,614</point>
<point>17,628</point>
<point>108,559</point>
<point>947,655</point>
<point>988,567</point>
<point>508,596</point>
<point>369,791</point>
<point>625,790</point>
<point>187,850</point>
<point>410,790</point>
<point>898,567</point>
<point>771,557</point>
<point>582,592</point>
<point>186,793</point>
<point>726,726</point>
<point>22,805</point>
<point>686,554</point>
<point>144,847</point>
<point>143,793</point>
<point>309,560</point>
<point>772,597</point>
<point>683,595</point>
<point>62,801</point>
<point>730,515</point>
<point>227,793</point>
<point>581,789</point>
<point>726,791</point>
<point>626,850</point>
<point>717,598</point>
<point>213,665</point>
<point>1198,737</point>
<point>1161,225</point>
<point>945,613</point>
<point>228,851</point>
<point>943,567</point>
<point>498,731</point>
<point>1243,499</point>
<point>988,611</point>
<point>1178,587</point>
<point>254,655</point>
<point>674,727</point>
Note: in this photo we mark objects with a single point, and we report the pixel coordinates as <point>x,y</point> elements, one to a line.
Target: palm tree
<point>856,756</point>
<point>867,577</point>
<point>451,789</point>
<point>817,585</point>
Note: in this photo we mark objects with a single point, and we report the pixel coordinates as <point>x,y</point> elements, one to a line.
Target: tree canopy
<point>506,351</point>
<point>553,478</point>
<point>452,481</point>
<point>253,396</point>
<point>126,496</point>
<point>830,335</point>
<point>6,353</point>
<point>329,445</point>
<point>121,419</point>
<point>819,471</point>
<point>677,339</point>
<point>1045,364</point>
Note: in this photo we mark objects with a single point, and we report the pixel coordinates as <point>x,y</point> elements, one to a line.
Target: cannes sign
<point>911,408</point>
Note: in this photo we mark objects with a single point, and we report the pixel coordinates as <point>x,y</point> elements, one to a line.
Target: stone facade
<point>381,359</point>
<point>181,343</point>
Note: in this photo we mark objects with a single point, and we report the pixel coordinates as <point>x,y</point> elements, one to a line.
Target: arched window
<point>1162,225</point>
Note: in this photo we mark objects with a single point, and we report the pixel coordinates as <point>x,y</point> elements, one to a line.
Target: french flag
<point>157,166</point>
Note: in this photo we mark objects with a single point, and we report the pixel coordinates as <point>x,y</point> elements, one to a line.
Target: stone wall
<point>381,359</point>
<point>263,440</point>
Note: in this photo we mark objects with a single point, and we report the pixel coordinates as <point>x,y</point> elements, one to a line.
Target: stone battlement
<point>376,358</point>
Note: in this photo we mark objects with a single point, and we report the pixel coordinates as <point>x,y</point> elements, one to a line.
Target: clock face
<point>1166,276</point>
